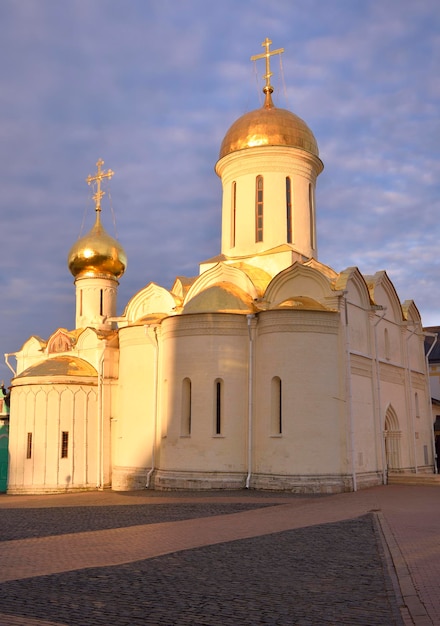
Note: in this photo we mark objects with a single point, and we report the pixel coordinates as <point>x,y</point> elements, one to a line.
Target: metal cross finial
<point>97,178</point>
<point>266,55</point>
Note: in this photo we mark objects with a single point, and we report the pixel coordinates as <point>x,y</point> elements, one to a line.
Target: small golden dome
<point>269,126</point>
<point>97,254</point>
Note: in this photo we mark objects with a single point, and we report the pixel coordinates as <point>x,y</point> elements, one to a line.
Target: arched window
<point>218,406</point>
<point>259,209</point>
<point>64,444</point>
<point>101,302</point>
<point>233,213</point>
<point>185,424</point>
<point>165,403</point>
<point>289,209</point>
<point>29,446</point>
<point>386,339</point>
<point>312,216</point>
<point>416,399</point>
<point>276,426</point>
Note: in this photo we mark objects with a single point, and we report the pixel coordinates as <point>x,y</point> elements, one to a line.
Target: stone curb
<point>412,607</point>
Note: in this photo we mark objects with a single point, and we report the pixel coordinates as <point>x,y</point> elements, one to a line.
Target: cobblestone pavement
<point>221,558</point>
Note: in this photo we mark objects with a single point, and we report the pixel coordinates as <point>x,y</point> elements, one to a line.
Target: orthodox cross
<point>97,178</point>
<point>266,55</point>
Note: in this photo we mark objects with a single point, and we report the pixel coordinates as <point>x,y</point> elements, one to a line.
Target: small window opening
<point>416,398</point>
<point>218,406</point>
<point>185,429</point>
<point>101,302</point>
<point>386,336</point>
<point>277,406</point>
<point>64,444</point>
<point>29,446</point>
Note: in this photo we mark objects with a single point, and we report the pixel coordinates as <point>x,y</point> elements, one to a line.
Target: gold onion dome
<point>97,254</point>
<point>269,126</point>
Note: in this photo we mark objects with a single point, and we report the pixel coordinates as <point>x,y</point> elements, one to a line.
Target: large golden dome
<point>269,126</point>
<point>97,255</point>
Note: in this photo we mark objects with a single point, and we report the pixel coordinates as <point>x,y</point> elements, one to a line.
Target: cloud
<point>152,87</point>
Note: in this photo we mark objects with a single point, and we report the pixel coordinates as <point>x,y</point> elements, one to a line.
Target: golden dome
<point>221,298</point>
<point>60,366</point>
<point>269,126</point>
<point>97,254</point>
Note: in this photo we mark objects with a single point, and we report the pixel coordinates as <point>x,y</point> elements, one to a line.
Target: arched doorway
<point>392,437</point>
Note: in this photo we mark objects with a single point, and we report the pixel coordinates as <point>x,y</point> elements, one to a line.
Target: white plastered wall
<point>45,410</point>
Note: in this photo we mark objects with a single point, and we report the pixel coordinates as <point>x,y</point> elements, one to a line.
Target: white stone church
<point>269,370</point>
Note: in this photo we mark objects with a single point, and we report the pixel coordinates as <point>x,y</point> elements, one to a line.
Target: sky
<point>152,86</point>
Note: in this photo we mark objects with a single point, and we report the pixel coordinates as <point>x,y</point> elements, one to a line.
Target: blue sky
<point>152,86</point>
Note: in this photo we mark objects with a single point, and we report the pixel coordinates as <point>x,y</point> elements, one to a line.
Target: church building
<point>269,370</point>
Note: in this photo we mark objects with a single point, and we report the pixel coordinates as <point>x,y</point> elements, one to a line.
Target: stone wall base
<point>166,480</point>
<point>42,489</point>
<point>309,484</point>
<point>129,478</point>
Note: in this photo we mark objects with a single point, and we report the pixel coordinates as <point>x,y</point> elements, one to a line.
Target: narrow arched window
<point>289,209</point>
<point>416,399</point>
<point>101,302</point>
<point>312,216</point>
<point>64,444</point>
<point>218,406</point>
<point>29,446</point>
<point>276,426</point>
<point>165,404</point>
<point>185,425</point>
<point>233,213</point>
<point>386,338</point>
<point>259,209</point>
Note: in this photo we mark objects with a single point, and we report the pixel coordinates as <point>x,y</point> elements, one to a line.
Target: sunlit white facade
<point>269,370</point>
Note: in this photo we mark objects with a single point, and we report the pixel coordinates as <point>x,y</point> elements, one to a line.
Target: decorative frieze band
<point>298,321</point>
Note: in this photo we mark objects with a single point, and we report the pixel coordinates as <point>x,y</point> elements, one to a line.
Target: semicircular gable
<point>221,298</point>
<point>87,338</point>
<point>33,345</point>
<point>298,280</point>
<point>259,277</point>
<point>150,300</point>
<point>410,312</point>
<point>222,273</point>
<point>321,267</point>
<point>352,281</point>
<point>60,341</point>
<point>383,293</point>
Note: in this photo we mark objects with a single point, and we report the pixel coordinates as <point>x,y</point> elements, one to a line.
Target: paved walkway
<point>365,558</point>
